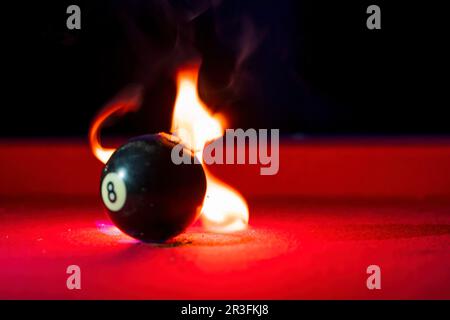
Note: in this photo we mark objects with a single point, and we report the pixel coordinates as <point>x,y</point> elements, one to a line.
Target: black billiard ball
<point>146,194</point>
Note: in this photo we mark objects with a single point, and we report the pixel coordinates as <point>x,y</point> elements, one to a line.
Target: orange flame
<point>224,209</point>
<point>127,101</point>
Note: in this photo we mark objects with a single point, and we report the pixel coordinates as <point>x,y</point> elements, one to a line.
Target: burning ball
<point>146,195</point>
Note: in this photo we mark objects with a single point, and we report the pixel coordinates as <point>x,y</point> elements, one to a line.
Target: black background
<point>302,66</point>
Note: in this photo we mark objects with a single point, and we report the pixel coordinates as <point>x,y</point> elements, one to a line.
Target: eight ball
<point>146,195</point>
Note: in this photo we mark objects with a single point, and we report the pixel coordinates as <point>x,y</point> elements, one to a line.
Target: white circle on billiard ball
<point>114,191</point>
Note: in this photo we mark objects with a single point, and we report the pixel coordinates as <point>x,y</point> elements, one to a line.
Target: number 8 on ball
<point>114,191</point>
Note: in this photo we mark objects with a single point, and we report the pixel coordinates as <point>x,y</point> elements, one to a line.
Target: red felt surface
<point>417,168</point>
<point>293,250</point>
<point>300,245</point>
